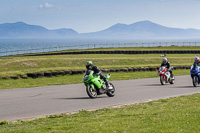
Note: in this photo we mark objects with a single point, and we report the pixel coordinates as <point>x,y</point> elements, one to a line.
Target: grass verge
<point>181,114</point>
<point>74,79</point>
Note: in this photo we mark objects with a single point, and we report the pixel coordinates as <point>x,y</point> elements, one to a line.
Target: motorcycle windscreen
<point>88,72</point>
<point>161,69</point>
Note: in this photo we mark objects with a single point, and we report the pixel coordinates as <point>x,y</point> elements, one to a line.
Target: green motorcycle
<point>96,86</point>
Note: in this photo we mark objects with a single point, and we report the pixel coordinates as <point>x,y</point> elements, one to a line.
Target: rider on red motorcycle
<point>167,65</point>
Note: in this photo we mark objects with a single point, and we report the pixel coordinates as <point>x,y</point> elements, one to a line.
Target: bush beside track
<point>75,72</point>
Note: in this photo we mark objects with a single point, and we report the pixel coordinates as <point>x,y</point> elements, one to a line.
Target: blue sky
<point>95,15</point>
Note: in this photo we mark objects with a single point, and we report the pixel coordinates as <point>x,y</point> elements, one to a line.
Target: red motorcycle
<point>165,76</point>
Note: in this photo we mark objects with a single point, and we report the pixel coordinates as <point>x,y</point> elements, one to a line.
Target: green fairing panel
<point>108,76</point>
<point>96,82</point>
<point>92,86</point>
<point>91,73</point>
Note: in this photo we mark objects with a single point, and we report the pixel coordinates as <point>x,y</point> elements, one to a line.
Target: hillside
<point>138,30</point>
<point>23,30</point>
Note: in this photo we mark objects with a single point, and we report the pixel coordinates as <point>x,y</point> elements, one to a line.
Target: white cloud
<point>46,5</point>
<point>41,6</point>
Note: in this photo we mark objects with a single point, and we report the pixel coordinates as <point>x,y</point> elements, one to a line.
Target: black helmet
<point>89,64</point>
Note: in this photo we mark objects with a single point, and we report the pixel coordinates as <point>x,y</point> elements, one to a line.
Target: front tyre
<point>111,90</point>
<point>162,80</point>
<point>195,81</point>
<point>92,93</point>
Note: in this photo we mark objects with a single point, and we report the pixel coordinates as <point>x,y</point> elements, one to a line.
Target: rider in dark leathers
<point>167,65</point>
<point>197,61</point>
<point>97,71</point>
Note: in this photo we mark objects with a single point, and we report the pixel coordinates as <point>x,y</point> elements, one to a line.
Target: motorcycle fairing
<point>97,81</point>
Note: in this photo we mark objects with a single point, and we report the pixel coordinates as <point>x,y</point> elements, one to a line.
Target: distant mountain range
<point>23,30</point>
<point>138,30</point>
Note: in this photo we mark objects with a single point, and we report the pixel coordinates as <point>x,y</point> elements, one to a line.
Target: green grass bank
<point>16,66</point>
<point>21,65</point>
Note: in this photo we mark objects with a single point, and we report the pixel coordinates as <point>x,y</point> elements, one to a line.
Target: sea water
<point>56,44</point>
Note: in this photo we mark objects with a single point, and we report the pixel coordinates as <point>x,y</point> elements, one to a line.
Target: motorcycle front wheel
<point>92,93</point>
<point>111,90</point>
<point>195,81</point>
<point>162,80</point>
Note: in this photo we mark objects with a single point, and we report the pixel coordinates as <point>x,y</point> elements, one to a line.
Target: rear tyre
<point>111,90</point>
<point>92,93</point>
<point>195,81</point>
<point>162,80</point>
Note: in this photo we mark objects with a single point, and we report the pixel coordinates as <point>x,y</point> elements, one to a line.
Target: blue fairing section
<point>195,71</point>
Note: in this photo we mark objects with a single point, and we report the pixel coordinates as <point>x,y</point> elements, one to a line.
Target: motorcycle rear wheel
<point>162,80</point>
<point>92,93</point>
<point>111,92</point>
<point>195,81</point>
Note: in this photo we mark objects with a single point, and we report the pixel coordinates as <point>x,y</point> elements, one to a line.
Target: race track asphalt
<point>25,103</point>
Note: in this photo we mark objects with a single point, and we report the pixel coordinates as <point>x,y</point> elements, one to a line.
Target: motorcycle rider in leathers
<point>167,65</point>
<point>197,61</point>
<point>97,71</point>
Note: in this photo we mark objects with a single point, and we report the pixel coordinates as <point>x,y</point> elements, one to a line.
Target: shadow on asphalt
<point>78,98</point>
<point>170,85</point>
<point>153,85</point>
<point>184,87</point>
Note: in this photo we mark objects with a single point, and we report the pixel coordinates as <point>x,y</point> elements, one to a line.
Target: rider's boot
<point>106,81</point>
<point>171,75</point>
<point>107,84</point>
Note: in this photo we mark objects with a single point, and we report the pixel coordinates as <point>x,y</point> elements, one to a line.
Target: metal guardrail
<point>90,46</point>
